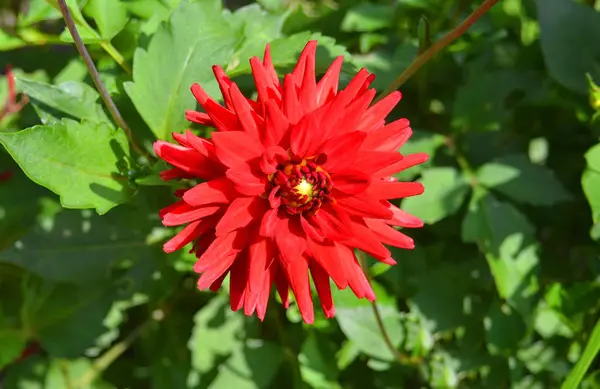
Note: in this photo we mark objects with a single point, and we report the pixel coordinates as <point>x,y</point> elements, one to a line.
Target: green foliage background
<point>502,290</point>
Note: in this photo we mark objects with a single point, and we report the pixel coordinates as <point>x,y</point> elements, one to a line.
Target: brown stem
<point>400,357</point>
<point>89,64</point>
<point>425,56</point>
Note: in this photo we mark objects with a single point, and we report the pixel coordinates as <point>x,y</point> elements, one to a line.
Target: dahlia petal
<point>290,239</point>
<point>250,301</point>
<point>264,84</point>
<point>246,182</point>
<point>260,256</point>
<point>224,119</point>
<point>402,218</point>
<point>328,256</point>
<point>180,138</point>
<point>215,286</point>
<point>179,206</point>
<point>174,173</point>
<point>189,233</point>
<point>217,191</point>
<point>368,242</point>
<point>269,223</point>
<point>354,112</point>
<point>236,147</point>
<point>334,222</point>
<point>351,181</point>
<point>359,81</point>
<point>371,162</point>
<point>303,61</point>
<point>182,216</point>
<point>390,137</point>
<point>186,159</point>
<point>384,190</point>
<point>201,145</point>
<point>241,212</point>
<point>321,280</point>
<point>281,283</point>
<point>341,151</point>
<point>221,246</point>
<point>390,235</point>
<point>238,279</point>
<point>328,84</point>
<point>310,230</point>
<point>297,273</point>
<point>212,273</point>
<point>291,105</point>
<point>244,111</point>
<point>198,117</point>
<point>303,143</point>
<point>308,90</point>
<point>224,84</point>
<point>268,65</point>
<point>357,281</point>
<point>263,297</point>
<point>379,111</point>
<point>407,162</point>
<point>364,205</point>
<point>276,125</point>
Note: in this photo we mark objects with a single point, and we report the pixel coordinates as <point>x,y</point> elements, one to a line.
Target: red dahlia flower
<point>295,181</point>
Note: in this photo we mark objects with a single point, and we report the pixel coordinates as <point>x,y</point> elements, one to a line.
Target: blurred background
<point>502,290</point>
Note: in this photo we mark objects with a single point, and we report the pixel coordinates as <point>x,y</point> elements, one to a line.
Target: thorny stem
<point>89,64</point>
<point>425,56</point>
<point>400,357</point>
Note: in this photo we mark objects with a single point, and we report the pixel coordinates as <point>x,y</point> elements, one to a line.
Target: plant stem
<point>401,358</point>
<point>89,64</point>
<point>425,56</point>
<point>116,55</point>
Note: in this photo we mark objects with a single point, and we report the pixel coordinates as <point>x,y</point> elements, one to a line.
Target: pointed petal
<point>183,216</point>
<point>241,212</point>
<point>390,137</point>
<point>341,151</point>
<point>379,111</point>
<point>236,147</point>
<point>389,235</point>
<point>321,280</point>
<point>402,218</point>
<point>328,84</point>
<point>407,162</point>
<point>351,181</point>
<point>191,232</point>
<point>218,191</point>
<point>384,190</point>
<point>297,274</point>
<point>328,256</point>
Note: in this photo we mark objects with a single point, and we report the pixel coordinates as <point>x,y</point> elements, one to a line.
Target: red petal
<point>341,151</point>
<point>269,223</point>
<point>389,235</point>
<point>223,119</point>
<point>199,117</point>
<point>381,189</point>
<point>291,106</point>
<point>308,90</point>
<point>371,162</point>
<point>290,238</point>
<point>191,232</point>
<point>303,143</point>
<point>407,162</point>
<point>403,219</point>
<point>238,279</point>
<point>244,112</point>
<point>240,213</point>
<point>297,273</point>
<point>224,84</point>
<point>351,181</point>
<point>221,247</point>
<point>246,182</point>
<point>269,68</point>
<point>260,256</point>
<point>365,206</point>
<point>328,84</point>
<point>276,125</point>
<point>183,216</point>
<point>186,159</point>
<point>328,256</point>
<point>321,280</point>
<point>281,283</point>
<point>379,111</point>
<point>236,147</point>
<point>389,138</point>
<point>216,270</point>
<point>219,191</point>
<point>368,242</point>
<point>311,231</point>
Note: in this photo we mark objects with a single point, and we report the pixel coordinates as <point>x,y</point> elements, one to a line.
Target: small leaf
<point>317,363</point>
<point>592,349</point>
<point>110,16</point>
<point>357,321</point>
<point>504,329</point>
<point>72,99</point>
<point>367,17</point>
<point>523,181</point>
<point>77,161</point>
<point>179,54</point>
<point>590,182</point>
<point>505,236</point>
<point>445,190</point>
<point>567,30</point>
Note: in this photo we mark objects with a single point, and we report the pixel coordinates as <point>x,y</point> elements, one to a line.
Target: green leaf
<point>523,181</point>
<point>445,190</point>
<point>590,352</point>
<point>71,99</point>
<point>357,321</point>
<point>87,33</point>
<point>78,247</point>
<point>178,55</point>
<point>317,363</point>
<point>78,161</point>
<point>590,182</point>
<point>110,16</point>
<point>216,334</point>
<point>367,17</point>
<point>252,367</point>
<point>504,329</point>
<point>505,236</point>
<point>570,30</point>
